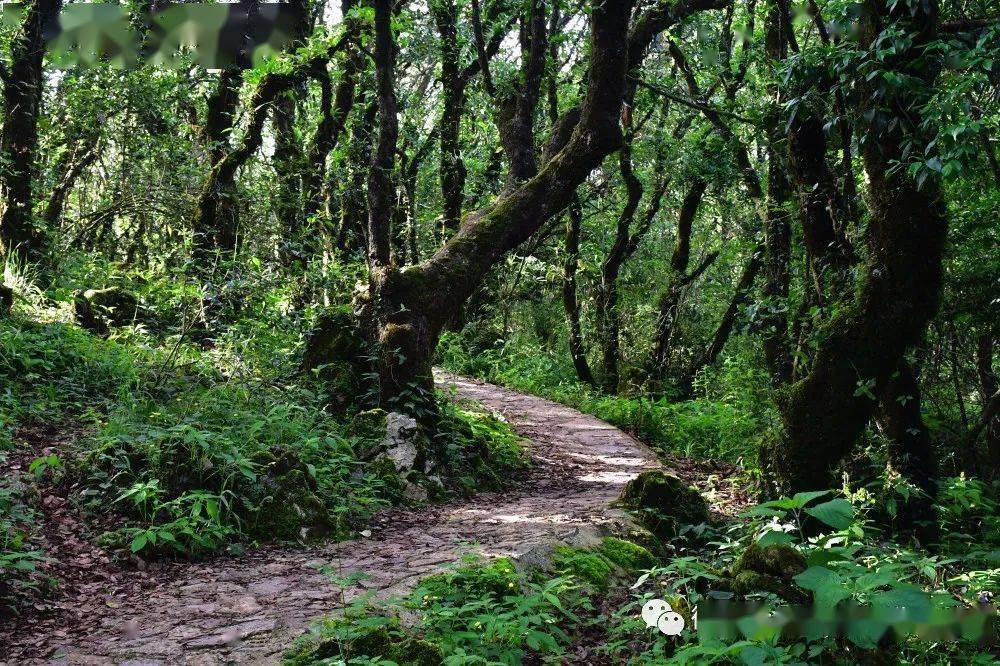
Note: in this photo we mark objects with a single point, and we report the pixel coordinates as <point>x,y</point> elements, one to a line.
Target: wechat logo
<point>658,613</point>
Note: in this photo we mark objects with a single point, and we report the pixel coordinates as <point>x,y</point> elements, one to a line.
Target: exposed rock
<point>663,503</point>
<point>401,443</point>
<point>414,493</point>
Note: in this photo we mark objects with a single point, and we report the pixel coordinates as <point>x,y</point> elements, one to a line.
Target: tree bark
<point>214,222</point>
<point>899,292</point>
<point>607,314</point>
<point>80,158</point>
<point>406,309</point>
<point>745,282</point>
<point>22,100</point>
<point>988,455</point>
<point>381,185</point>
<point>670,298</point>
<point>453,101</point>
<point>577,349</point>
<point>777,228</point>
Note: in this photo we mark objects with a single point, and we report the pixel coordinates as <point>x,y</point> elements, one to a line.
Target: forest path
<point>247,610</point>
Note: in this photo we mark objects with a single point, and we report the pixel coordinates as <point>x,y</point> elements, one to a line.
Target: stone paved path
<point>247,610</point>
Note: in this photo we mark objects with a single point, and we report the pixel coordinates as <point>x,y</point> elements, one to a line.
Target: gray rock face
<point>400,443</point>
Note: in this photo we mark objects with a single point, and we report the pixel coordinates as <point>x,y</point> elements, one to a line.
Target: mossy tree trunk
<point>22,100</point>
<point>452,170</point>
<point>724,330</point>
<point>777,223</point>
<point>624,245</point>
<point>911,450</point>
<point>897,293</point>
<point>571,304</point>
<point>988,455</point>
<point>407,308</point>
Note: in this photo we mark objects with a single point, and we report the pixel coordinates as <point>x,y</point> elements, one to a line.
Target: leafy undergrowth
<point>195,450</point>
<point>18,559</point>
<point>587,606</point>
<point>726,420</point>
<point>476,613</point>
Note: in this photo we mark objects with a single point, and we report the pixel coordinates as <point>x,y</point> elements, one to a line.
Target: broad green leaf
<point>837,513</point>
<point>139,542</point>
<point>802,499</point>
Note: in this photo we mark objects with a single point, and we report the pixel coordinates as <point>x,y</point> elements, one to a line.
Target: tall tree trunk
<point>724,330</point>
<point>820,203</point>
<point>988,455</point>
<point>22,101</point>
<point>571,304</point>
<point>898,293</point>
<point>453,101</point>
<point>287,161</point>
<point>911,450</point>
<point>215,222</point>
<point>516,111</point>
<point>777,228</point>
<point>337,105</point>
<point>670,298</point>
<point>611,268</point>
<point>353,226</point>
<point>79,159</point>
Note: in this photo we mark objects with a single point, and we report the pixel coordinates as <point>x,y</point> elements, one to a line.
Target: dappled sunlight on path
<point>248,609</point>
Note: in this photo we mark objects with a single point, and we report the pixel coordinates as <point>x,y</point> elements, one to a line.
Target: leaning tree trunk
<point>22,100</point>
<point>408,308</point>
<point>897,294</point>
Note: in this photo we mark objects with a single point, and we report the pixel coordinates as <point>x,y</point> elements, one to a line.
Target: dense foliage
<point>749,231</point>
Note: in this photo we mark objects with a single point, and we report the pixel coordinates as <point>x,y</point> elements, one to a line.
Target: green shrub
<point>53,370</point>
<point>226,461</point>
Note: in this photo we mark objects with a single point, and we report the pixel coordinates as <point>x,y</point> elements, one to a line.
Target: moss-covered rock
<point>98,310</point>
<point>497,578</point>
<point>641,536</point>
<point>768,569</point>
<point>663,503</point>
<point>368,426</point>
<point>417,652</point>
<point>587,565</point>
<point>361,635</point>
<point>627,555</point>
<point>289,507</point>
